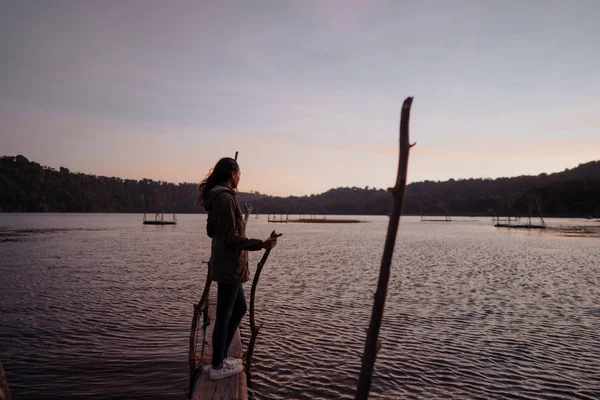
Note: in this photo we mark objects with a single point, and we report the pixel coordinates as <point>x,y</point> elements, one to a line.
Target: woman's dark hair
<point>219,174</point>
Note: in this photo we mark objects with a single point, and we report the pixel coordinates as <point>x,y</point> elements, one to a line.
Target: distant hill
<point>573,192</point>
<point>29,187</point>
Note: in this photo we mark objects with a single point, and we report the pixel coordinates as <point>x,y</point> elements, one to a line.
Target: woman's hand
<point>269,243</point>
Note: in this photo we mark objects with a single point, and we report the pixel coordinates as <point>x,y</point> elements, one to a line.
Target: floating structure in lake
<point>159,219</point>
<point>274,219</point>
<point>439,217</point>
<point>313,219</point>
<point>435,218</point>
<point>159,216</point>
<point>325,221</point>
<point>515,222</point>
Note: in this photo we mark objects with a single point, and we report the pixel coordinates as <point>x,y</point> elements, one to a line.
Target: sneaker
<point>225,372</point>
<point>233,361</point>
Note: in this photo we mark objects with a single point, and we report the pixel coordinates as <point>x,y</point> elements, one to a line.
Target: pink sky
<point>309,92</point>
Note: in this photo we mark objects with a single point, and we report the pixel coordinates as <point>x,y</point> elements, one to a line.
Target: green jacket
<point>225,225</point>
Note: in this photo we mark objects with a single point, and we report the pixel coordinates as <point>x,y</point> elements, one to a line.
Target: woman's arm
<point>226,219</point>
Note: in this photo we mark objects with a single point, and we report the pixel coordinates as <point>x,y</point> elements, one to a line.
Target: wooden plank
<point>233,388</point>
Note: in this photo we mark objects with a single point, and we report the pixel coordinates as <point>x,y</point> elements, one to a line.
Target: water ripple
<point>101,309</point>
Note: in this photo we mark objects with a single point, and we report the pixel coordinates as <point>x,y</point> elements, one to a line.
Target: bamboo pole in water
<point>371,345</point>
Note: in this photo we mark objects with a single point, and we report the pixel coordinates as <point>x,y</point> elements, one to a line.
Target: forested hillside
<point>29,187</point>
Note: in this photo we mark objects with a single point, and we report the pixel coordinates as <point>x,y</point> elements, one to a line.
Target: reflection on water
<point>99,306</point>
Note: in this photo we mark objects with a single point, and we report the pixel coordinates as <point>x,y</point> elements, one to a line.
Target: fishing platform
<point>435,218</point>
<point>515,223</point>
<point>313,219</point>
<point>159,219</point>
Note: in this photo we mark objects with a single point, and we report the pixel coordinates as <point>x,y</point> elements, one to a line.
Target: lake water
<point>100,306</point>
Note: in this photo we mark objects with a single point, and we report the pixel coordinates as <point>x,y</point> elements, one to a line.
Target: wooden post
<point>4,389</point>
<point>371,345</point>
<point>253,328</point>
<point>198,309</point>
<point>538,203</point>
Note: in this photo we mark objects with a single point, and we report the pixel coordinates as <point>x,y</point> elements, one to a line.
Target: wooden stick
<point>253,328</point>
<point>370,353</point>
<point>4,388</point>
<point>236,154</point>
<point>247,211</point>
<point>538,203</point>
<point>198,310</point>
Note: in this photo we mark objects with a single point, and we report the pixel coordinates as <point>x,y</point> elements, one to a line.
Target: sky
<point>308,92</point>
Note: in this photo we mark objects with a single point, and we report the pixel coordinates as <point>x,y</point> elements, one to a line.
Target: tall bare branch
<point>199,309</point>
<point>253,328</point>
<point>370,353</point>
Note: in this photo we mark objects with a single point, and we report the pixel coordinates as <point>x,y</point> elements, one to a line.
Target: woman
<point>228,259</point>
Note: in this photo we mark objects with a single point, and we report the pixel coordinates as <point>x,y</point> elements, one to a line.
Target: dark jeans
<point>231,307</point>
